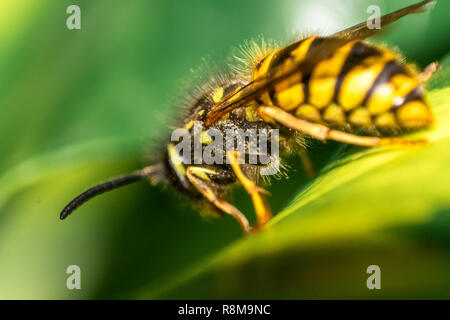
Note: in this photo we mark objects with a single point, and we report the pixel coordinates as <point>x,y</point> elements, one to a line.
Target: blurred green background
<point>81,106</point>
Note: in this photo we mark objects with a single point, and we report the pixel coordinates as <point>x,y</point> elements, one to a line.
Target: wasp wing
<point>361,31</point>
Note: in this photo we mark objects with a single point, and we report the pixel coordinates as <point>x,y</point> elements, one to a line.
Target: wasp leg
<point>262,209</point>
<point>199,179</point>
<point>321,132</point>
<point>426,74</point>
<point>307,164</point>
<point>366,141</point>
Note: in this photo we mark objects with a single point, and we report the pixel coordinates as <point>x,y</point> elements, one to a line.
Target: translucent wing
<point>360,31</point>
<point>316,53</point>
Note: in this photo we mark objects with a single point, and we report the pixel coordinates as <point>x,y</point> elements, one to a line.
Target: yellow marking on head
<point>176,162</point>
<point>308,112</point>
<point>386,120</point>
<point>414,114</point>
<point>199,114</point>
<point>334,114</point>
<point>205,138</point>
<point>324,76</point>
<point>217,95</point>
<point>201,173</point>
<point>189,125</point>
<point>360,117</point>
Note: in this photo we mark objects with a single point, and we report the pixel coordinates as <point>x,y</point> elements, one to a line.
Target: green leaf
<point>384,206</point>
<point>62,92</point>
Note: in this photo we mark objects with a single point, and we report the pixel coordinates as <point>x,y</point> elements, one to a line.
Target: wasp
<point>338,87</point>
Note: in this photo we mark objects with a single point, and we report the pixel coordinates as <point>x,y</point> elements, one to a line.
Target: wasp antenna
<point>107,186</point>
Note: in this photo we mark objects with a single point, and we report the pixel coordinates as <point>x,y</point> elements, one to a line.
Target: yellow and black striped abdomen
<point>356,84</point>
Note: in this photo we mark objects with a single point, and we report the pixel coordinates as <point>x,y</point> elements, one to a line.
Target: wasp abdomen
<point>356,84</point>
